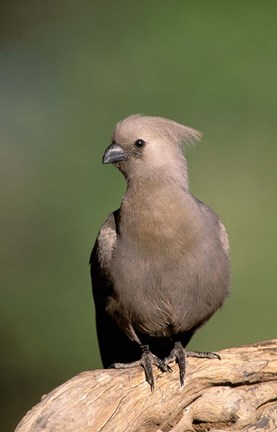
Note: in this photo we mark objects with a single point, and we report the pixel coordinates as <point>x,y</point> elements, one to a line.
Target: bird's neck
<point>151,211</point>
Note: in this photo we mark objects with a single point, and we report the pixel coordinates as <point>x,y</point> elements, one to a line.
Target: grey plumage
<point>160,265</point>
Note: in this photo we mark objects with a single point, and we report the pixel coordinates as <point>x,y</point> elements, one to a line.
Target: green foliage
<point>68,73</point>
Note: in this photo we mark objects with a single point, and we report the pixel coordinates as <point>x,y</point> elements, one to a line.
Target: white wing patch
<point>224,237</point>
<point>107,240</point>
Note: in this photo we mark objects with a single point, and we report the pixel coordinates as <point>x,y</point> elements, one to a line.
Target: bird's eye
<point>139,143</point>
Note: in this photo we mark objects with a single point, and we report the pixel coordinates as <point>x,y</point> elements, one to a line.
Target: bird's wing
<point>108,331</point>
<point>223,236</point>
<point>101,256</point>
<point>224,239</point>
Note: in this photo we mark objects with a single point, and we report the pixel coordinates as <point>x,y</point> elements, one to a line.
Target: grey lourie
<point>160,265</point>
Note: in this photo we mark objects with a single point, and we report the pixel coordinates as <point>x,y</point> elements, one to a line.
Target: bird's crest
<point>182,135</point>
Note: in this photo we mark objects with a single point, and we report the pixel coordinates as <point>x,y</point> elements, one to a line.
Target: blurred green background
<point>68,72</point>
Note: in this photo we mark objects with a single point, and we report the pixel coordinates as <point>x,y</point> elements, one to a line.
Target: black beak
<point>114,153</point>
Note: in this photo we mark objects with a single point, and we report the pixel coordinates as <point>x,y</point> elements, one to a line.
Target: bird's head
<point>144,146</point>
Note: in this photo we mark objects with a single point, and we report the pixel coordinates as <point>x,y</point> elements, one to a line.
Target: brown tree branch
<point>237,393</point>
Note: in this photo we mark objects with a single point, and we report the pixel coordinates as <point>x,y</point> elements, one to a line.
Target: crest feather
<point>181,134</point>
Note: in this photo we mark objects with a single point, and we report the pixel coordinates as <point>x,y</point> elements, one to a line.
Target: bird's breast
<point>168,275</point>
<point>169,291</point>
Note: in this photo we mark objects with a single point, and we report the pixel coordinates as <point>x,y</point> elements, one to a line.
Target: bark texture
<point>238,393</point>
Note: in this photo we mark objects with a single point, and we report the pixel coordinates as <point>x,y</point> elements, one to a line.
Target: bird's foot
<point>179,355</point>
<point>147,361</point>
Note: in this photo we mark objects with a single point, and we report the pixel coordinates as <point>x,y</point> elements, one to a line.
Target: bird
<point>160,265</point>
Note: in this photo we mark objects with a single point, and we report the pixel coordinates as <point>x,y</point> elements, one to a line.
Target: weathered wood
<point>237,393</point>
